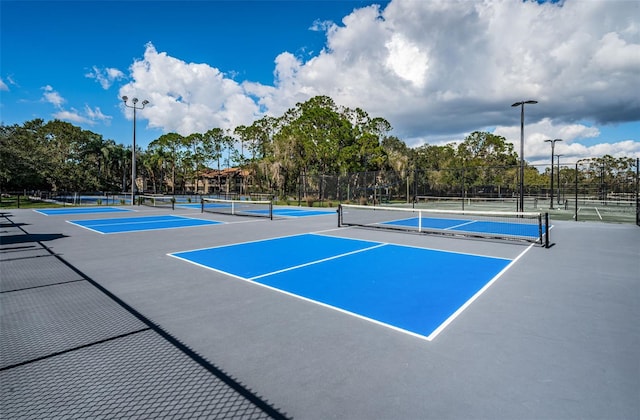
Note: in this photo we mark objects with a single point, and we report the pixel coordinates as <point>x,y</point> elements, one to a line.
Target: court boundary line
<point>120,210</point>
<point>320,232</point>
<point>127,223</point>
<point>316,302</point>
<point>71,222</point>
<point>210,223</point>
<point>341,310</point>
<point>473,298</point>
<point>270,239</point>
<point>420,228</point>
<point>430,337</point>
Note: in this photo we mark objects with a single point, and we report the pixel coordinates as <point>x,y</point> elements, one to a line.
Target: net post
<point>271,209</point>
<point>546,230</point>
<point>201,205</point>
<point>339,215</point>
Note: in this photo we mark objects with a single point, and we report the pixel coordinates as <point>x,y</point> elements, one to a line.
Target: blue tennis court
<point>189,205</point>
<point>299,212</point>
<point>280,211</point>
<point>415,290</point>
<point>80,210</point>
<point>521,230</point>
<point>137,224</point>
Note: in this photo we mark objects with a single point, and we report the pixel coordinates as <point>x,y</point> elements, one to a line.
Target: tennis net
<point>523,226</point>
<point>157,201</point>
<point>255,208</point>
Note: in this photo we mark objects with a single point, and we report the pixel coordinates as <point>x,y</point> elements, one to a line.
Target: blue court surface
<point>283,212</point>
<point>415,290</point>
<point>80,210</point>
<point>189,205</point>
<point>300,212</point>
<point>137,224</point>
<point>472,226</point>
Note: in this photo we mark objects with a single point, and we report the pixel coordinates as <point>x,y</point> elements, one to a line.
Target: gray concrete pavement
<point>556,337</point>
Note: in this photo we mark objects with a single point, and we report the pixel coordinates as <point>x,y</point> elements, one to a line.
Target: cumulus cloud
<point>72,116</point>
<point>88,115</point>
<point>106,77</point>
<point>52,97</point>
<point>185,97</point>
<point>95,115</point>
<point>437,70</point>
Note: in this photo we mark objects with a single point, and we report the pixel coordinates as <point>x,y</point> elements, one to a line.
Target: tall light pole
<point>521,105</point>
<point>578,162</point>
<point>553,143</point>
<point>558,158</point>
<point>134,101</point>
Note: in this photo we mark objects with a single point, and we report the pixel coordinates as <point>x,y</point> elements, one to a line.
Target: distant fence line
<point>571,189</point>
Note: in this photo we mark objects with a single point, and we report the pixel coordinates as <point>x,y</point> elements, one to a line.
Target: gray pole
<point>553,143</point>
<point>558,156</point>
<point>133,157</point>
<point>521,105</point>
<point>133,148</point>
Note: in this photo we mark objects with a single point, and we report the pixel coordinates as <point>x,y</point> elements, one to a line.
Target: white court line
<point>599,215</point>
<point>93,228</point>
<point>461,224</point>
<point>476,296</point>
<point>125,223</point>
<point>84,227</point>
<point>321,232</point>
<point>316,262</point>
<point>378,244</point>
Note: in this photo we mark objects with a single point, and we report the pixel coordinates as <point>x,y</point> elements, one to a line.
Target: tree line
<point>312,139</point>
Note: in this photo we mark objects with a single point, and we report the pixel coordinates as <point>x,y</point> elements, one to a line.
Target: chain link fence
<point>586,190</point>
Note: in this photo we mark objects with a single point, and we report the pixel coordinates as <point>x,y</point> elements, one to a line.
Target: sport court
<point>352,276</point>
<point>256,211</point>
<point>142,223</point>
<point>553,336</point>
<point>82,210</point>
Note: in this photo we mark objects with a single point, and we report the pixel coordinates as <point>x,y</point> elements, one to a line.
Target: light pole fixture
<point>553,143</point>
<point>134,101</point>
<point>521,105</point>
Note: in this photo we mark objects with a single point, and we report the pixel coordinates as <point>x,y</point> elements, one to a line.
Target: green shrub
<point>309,201</point>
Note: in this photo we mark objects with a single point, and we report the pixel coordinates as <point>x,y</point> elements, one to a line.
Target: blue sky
<point>436,70</point>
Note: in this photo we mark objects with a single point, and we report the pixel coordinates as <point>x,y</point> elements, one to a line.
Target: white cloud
<point>3,86</point>
<point>187,97</point>
<point>406,60</point>
<point>96,114</point>
<point>72,116</point>
<point>436,70</point>
<point>52,97</point>
<point>106,77</point>
<point>90,116</point>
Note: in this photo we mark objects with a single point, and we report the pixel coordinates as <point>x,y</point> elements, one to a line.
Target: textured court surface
<point>129,331</point>
<point>68,350</point>
<point>143,223</point>
<point>403,297</point>
<point>82,210</point>
<point>461,225</point>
